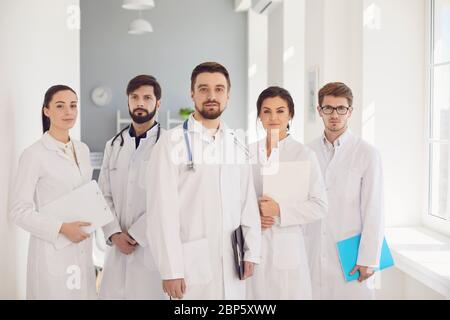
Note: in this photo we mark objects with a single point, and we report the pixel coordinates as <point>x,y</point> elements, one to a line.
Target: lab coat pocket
<point>197,263</point>
<point>144,255</point>
<point>149,261</point>
<point>58,261</point>
<point>286,253</point>
<point>353,185</point>
<point>143,174</point>
<point>113,177</point>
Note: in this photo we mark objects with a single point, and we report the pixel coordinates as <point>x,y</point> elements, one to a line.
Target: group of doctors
<point>177,196</point>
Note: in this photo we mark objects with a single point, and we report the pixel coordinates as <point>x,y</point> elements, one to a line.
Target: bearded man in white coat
<point>354,183</point>
<point>129,271</point>
<point>202,191</point>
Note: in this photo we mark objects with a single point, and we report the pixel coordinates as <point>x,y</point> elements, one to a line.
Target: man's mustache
<point>211,102</point>
<point>140,109</point>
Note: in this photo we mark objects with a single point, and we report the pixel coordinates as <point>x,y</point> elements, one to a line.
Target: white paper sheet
<point>287,180</point>
<point>86,204</point>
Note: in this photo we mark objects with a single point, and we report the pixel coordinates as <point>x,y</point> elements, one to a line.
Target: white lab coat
<point>122,181</point>
<point>284,270</point>
<point>354,182</point>
<point>194,213</point>
<point>46,173</point>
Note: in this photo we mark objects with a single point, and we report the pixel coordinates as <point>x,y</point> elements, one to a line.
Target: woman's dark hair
<point>273,92</point>
<point>47,98</point>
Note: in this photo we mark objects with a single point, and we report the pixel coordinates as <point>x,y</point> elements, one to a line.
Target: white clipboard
<point>86,204</point>
<point>287,180</point>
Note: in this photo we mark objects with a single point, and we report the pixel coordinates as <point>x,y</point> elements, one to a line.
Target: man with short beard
<point>199,199</point>
<point>129,271</point>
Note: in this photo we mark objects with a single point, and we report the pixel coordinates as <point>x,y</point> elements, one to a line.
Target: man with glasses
<point>354,183</point>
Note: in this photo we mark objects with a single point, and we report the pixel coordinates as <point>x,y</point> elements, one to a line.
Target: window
<point>439,120</point>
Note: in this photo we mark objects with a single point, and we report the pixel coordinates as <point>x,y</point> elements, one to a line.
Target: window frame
<point>440,224</point>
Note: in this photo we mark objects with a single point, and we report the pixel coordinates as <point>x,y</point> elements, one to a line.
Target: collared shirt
<point>132,133</point>
<point>330,148</point>
<point>196,126</point>
<point>68,149</point>
<point>207,146</point>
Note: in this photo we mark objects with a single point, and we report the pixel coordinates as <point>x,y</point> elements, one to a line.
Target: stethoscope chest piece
<point>191,166</point>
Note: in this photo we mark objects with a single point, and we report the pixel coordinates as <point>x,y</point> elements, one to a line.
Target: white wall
<point>42,50</point>
<point>377,47</point>
<point>257,67</point>
<point>275,47</point>
<point>294,60</point>
<point>286,55</point>
<point>314,58</point>
<point>394,284</point>
<point>343,50</point>
<point>334,44</point>
<point>394,102</point>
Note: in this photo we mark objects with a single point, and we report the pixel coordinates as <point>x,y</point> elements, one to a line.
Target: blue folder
<point>348,255</point>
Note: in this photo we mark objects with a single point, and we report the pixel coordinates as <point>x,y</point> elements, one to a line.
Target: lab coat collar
<point>132,133</point>
<point>52,144</point>
<point>196,127</point>
<point>281,144</point>
<point>149,133</point>
<point>153,130</point>
<point>275,151</point>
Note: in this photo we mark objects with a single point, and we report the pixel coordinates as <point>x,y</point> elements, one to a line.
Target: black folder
<point>237,241</point>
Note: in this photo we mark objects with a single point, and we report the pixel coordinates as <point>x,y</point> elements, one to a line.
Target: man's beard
<point>210,115</point>
<point>337,128</point>
<point>140,119</point>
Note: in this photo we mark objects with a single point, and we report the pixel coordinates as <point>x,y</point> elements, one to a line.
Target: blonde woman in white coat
<point>283,272</point>
<point>50,168</point>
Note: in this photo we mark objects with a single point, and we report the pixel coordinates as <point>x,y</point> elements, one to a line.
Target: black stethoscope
<point>122,141</point>
<point>190,165</point>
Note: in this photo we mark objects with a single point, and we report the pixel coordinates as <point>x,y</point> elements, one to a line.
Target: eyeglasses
<point>341,110</point>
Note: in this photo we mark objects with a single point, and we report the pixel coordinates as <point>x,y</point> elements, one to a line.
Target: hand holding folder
<point>85,203</point>
<point>348,256</point>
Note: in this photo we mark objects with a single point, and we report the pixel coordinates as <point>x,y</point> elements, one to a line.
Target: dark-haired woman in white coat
<point>283,272</point>
<point>50,168</point>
